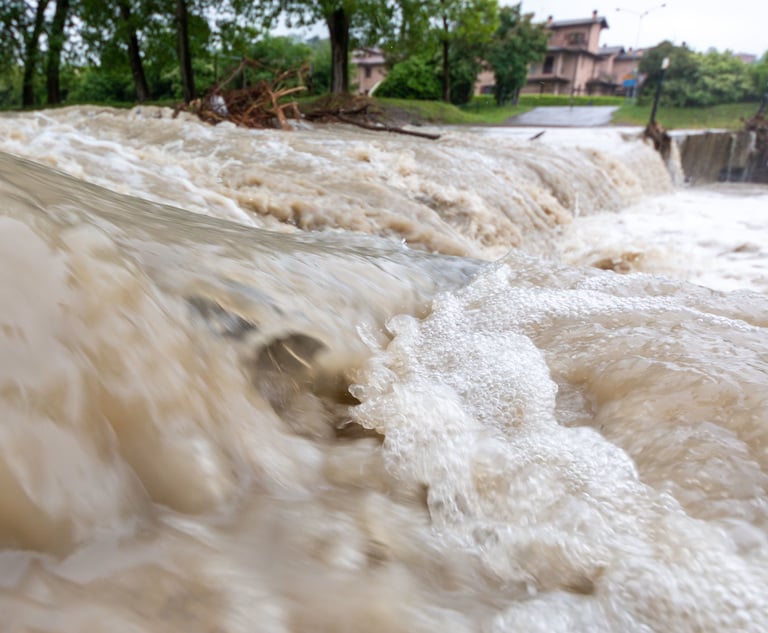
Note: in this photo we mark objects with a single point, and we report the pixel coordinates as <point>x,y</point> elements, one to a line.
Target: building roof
<point>630,54</point>
<point>611,50</point>
<point>559,24</point>
<point>368,57</point>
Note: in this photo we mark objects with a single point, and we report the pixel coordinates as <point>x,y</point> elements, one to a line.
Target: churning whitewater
<point>331,380</point>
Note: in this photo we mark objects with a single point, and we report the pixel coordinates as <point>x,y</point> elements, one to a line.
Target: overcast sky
<point>740,26</point>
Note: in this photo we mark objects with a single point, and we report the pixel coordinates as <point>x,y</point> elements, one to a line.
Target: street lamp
<point>664,66</point>
<point>640,15</point>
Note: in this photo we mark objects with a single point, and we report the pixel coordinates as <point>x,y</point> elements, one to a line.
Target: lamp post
<point>640,15</point>
<point>664,66</point>
<point>764,101</point>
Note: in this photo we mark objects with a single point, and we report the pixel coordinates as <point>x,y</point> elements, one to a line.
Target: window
<point>577,39</point>
<point>549,64</point>
<point>367,72</point>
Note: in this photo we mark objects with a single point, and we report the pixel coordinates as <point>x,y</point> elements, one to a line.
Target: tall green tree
<point>346,20</point>
<point>127,27</point>
<point>112,32</point>
<point>56,38</point>
<point>183,50</point>
<point>517,43</point>
<point>469,23</point>
<point>33,26</point>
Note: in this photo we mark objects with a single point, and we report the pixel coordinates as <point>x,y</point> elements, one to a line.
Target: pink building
<point>371,69</point>
<point>576,64</point>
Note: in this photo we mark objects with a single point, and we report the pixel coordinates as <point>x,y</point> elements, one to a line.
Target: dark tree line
<point>142,49</point>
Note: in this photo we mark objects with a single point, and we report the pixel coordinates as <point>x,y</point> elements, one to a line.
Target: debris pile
<point>261,105</point>
<point>264,105</point>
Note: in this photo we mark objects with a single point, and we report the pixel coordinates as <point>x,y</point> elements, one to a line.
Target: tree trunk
<point>185,57</point>
<point>338,29</point>
<point>134,54</point>
<point>31,51</point>
<point>55,44</point>
<point>446,63</point>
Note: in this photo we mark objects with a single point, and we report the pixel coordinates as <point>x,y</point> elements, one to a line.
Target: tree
<point>469,22</point>
<point>695,79</point>
<point>516,43</point>
<point>341,17</point>
<point>56,38</point>
<point>111,34</point>
<point>183,50</point>
<point>128,28</point>
<point>759,75</point>
<point>679,79</point>
<point>33,25</point>
<point>724,78</point>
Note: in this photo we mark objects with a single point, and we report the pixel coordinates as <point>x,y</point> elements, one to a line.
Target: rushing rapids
<point>330,380</point>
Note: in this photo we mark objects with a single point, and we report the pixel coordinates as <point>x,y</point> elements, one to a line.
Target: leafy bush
<point>319,79</point>
<point>10,88</point>
<point>413,78</point>
<point>95,84</point>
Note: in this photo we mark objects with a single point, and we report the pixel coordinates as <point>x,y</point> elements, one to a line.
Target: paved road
<point>556,116</point>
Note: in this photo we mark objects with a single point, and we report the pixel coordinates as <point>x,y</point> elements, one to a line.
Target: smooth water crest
<point>337,380</point>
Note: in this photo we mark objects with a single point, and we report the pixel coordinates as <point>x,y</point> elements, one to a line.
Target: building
<point>371,69</point>
<point>576,64</point>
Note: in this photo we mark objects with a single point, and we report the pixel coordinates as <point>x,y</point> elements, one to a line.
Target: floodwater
<point>333,380</point>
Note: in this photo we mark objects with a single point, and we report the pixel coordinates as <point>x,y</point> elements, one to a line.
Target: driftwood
<point>759,160</point>
<point>360,111</point>
<point>661,140</point>
<point>380,127</point>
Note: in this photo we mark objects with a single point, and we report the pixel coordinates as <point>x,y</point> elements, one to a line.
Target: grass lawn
<point>727,116</point>
<point>445,113</point>
<point>483,111</point>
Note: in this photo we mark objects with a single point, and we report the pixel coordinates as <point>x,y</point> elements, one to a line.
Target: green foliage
<point>98,84</point>
<point>319,76</point>
<point>413,78</point>
<point>349,22</point>
<point>10,87</point>
<point>277,55</point>
<point>516,43</point>
<point>759,76</point>
<point>464,30</point>
<point>464,67</point>
<point>695,79</point>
